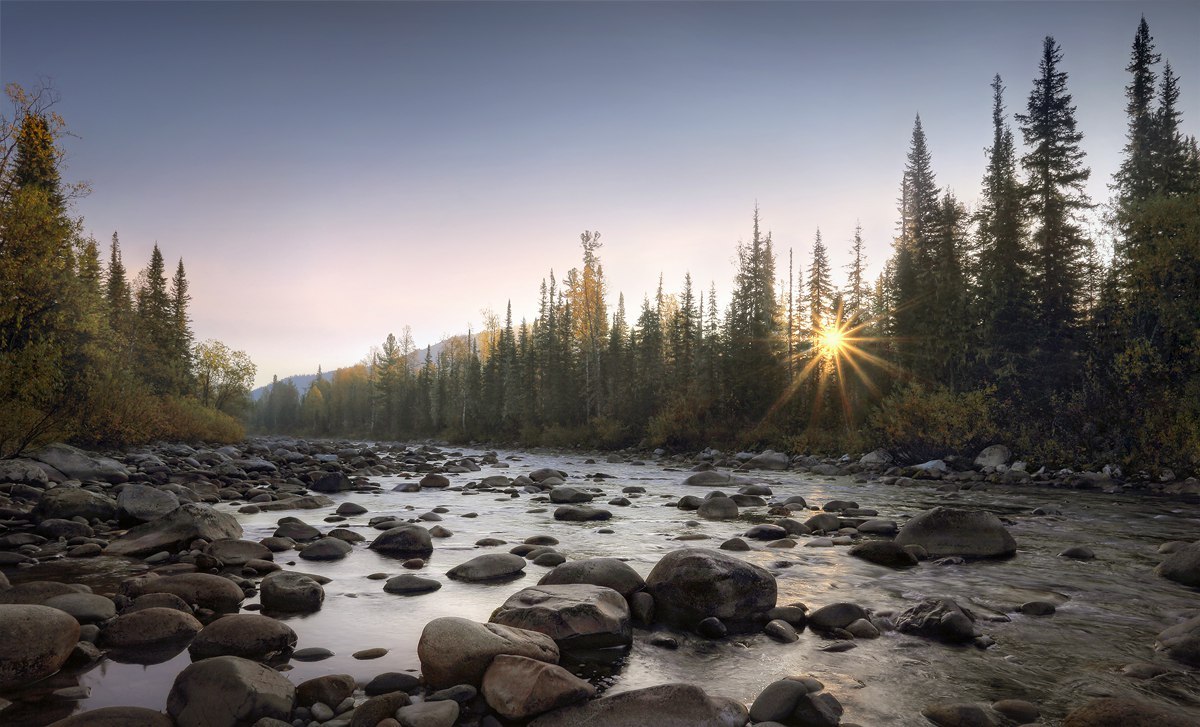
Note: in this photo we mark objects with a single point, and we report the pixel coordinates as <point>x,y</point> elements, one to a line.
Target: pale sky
<point>331,172</point>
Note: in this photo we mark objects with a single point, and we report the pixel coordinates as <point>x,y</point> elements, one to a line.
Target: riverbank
<point>465,500</point>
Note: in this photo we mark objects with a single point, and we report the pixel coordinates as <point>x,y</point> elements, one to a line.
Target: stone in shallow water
<point>671,705</point>
<point>945,531</point>
<point>411,585</point>
<point>1126,713</point>
<point>491,566</point>
<point>946,714</point>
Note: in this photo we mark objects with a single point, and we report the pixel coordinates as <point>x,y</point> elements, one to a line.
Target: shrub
<point>920,423</point>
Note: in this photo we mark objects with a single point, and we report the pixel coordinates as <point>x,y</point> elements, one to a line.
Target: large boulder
<point>945,531</point>
<point>36,593</point>
<point>1182,642</point>
<point>576,616</point>
<point>718,508</point>
<point>797,701</point>
<point>1182,566</point>
<point>1117,712</point>
<point>519,688</point>
<point>326,549</point>
<point>290,592</point>
<point>64,503</point>
<point>768,460</point>
<point>79,465</point>
<point>408,541</point>
<point>228,691</point>
<point>457,651</point>
<point>331,482</point>
<point>86,608</point>
<point>713,478</point>
<point>666,705</point>
<point>200,589</point>
<point>176,530</point>
<point>692,584</point>
<point>35,642</point>
<point>150,628</point>
<point>884,552</point>
<point>993,456</point>
<point>329,690</point>
<point>938,618</point>
<point>565,495</point>
<point>488,567</point>
<point>607,572</point>
<point>581,513</point>
<point>247,635</point>
<point>23,471</point>
<point>137,503</point>
<point>232,551</point>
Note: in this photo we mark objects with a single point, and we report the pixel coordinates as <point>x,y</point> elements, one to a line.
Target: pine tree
<point>1055,199</point>
<point>181,330</point>
<point>858,290</point>
<point>1175,165</point>
<point>919,209</point>
<point>820,286</point>
<point>118,299</point>
<point>1003,294</point>
<point>153,346</point>
<point>1134,181</point>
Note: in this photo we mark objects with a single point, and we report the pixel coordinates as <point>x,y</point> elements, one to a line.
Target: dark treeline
<point>86,353</point>
<point>1005,323</point>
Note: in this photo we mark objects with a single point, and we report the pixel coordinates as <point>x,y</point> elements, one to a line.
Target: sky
<point>331,172</point>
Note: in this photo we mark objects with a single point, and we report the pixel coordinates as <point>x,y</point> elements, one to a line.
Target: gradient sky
<point>333,171</point>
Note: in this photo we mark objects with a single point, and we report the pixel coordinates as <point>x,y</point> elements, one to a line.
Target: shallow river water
<point>1109,609</point>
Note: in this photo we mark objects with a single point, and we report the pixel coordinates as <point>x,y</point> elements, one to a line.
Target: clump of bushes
<point>919,423</point>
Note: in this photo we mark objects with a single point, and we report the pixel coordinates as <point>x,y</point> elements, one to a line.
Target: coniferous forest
<point>1064,325</point>
<point>1017,321</point>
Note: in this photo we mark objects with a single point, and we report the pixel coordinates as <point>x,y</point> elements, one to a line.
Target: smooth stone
<point>227,691</point>
<point>458,651</point>
<point>666,705</point>
<point>35,641</point>
<point>411,585</point>
<point>490,566</point>
<point>520,688</point>
<point>248,635</point>
<point>608,572</point>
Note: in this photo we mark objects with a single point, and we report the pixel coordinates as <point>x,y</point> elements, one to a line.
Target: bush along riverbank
<point>261,584</point>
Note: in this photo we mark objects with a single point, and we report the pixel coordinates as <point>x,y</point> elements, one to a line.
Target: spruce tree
<point>820,286</point>
<point>181,330</point>
<point>858,289</point>
<point>1055,200</point>
<point>153,341</point>
<point>1134,181</point>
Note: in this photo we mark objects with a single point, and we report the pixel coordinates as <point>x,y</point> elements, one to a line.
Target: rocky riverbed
<point>288,582</point>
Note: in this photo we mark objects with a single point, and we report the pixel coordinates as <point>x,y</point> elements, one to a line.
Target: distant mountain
<point>304,381</point>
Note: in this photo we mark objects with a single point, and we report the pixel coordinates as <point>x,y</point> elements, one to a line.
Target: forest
<point>1017,320</point>
<point>1009,323</point>
<point>86,353</point>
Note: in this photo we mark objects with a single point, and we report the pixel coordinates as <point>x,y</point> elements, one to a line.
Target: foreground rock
<point>176,530</point>
<point>79,465</point>
<point>1110,712</point>
<point>228,691</point>
<point>457,651</point>
<point>488,567</point>
<point>798,701</point>
<point>1182,642</point>
<point>149,628</point>
<point>944,531</point>
<point>1182,566</point>
<point>692,584</point>
<point>940,619</point>
<point>247,635</point>
<point>577,616</point>
<point>607,572</point>
<point>35,642</point>
<point>520,688</point>
<point>408,541</point>
<point>199,589</point>
<point>666,705</point>
<point>290,592</point>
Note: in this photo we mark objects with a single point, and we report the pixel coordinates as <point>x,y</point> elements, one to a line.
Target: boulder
<point>405,541</point>
<point>487,567</point>
<point>64,503</point>
<point>201,589</point>
<point>718,508</point>
<point>945,531</point>
<point>434,480</point>
<point>938,618</point>
<point>608,572</point>
<point>520,688</point>
<point>176,530</point>
<point>437,713</point>
<point>410,585</point>
<point>35,641</point>
<point>713,478</point>
<point>1182,642</point>
<point>665,705</point>
<point>86,608</point>
<point>877,458</point>
<point>798,701</point>
<point>329,689</point>
<point>377,709</point>
<point>1111,712</point>
<point>768,460</point>
<point>326,549</point>
<point>692,584</point>
<point>580,513</point>
<point>546,473</point>
<point>79,465</point>
<point>32,593</point>
<point>149,627</point>
<point>291,592</point>
<point>138,503</point>
<point>993,456</point>
<point>331,482</point>
<point>836,616</point>
<point>958,714</point>
<point>457,651</point>
<point>24,472</point>
<point>248,635</point>
<point>1182,566</point>
<point>564,495</point>
<point>884,552</point>
<point>231,551</point>
<point>228,691</point>
<point>576,616</point>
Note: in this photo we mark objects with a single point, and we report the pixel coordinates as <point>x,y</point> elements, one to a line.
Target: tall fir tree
<point>820,286</point>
